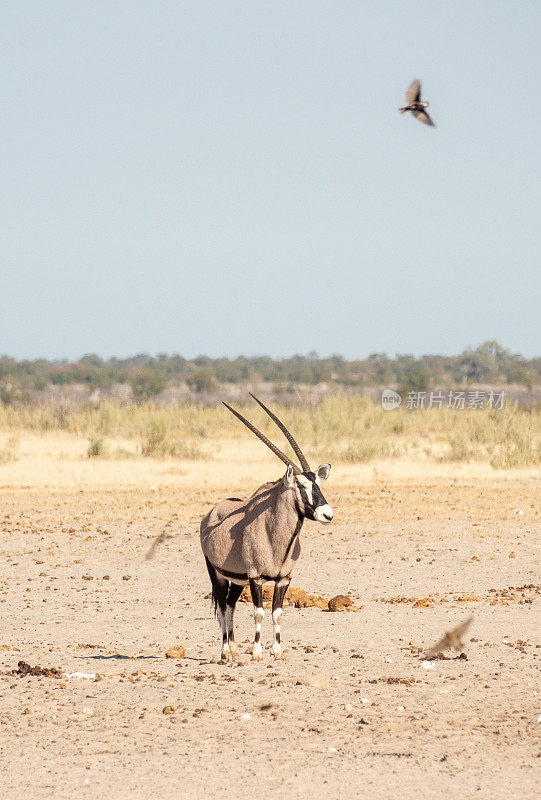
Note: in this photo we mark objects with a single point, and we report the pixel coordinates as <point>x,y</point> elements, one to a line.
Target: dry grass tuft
<point>345,429</point>
<point>9,450</point>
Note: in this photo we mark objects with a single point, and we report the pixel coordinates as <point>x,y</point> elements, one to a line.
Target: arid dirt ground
<point>351,711</point>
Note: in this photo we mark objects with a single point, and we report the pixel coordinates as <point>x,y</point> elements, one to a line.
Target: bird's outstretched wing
<point>413,94</point>
<point>424,116</point>
<point>163,537</point>
<point>450,639</point>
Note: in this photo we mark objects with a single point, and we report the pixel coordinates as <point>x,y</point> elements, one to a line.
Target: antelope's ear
<point>322,472</point>
<point>289,477</point>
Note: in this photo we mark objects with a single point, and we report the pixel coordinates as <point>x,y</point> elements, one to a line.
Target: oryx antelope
<point>257,540</point>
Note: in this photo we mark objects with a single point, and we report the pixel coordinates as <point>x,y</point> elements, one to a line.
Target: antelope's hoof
<point>257,652</point>
<point>279,656</point>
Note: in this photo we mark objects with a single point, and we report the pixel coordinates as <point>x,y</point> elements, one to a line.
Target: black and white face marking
<point>310,497</point>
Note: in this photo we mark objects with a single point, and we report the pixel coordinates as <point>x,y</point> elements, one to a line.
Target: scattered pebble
<point>519,511</point>
<point>246,717</point>
<point>25,669</point>
<point>177,651</point>
<point>428,665</point>
<point>169,710</point>
<point>366,702</point>
<point>340,603</point>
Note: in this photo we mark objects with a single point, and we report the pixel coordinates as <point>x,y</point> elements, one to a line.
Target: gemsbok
<point>257,540</point>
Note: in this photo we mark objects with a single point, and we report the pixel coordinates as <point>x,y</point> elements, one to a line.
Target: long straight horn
<point>298,452</point>
<point>264,439</point>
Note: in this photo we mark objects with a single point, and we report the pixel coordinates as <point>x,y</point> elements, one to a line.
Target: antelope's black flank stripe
<point>295,534</point>
<point>239,576</point>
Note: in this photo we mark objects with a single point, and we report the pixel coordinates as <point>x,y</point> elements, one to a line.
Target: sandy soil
<point>352,709</point>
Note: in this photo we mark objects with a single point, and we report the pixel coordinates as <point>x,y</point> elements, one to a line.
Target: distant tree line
<point>148,376</point>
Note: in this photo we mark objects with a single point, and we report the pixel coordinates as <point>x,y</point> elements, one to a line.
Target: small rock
<point>126,577</point>
<point>246,717</point>
<point>177,651</point>
<point>169,710</point>
<point>424,602</point>
<point>340,603</point>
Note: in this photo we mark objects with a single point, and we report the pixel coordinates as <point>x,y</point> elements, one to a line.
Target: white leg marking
<point>257,650</point>
<point>232,649</point>
<point>276,646</point>
<point>228,620</point>
<point>223,629</point>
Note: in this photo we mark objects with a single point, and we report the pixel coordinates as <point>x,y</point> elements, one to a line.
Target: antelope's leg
<point>256,589</point>
<point>221,606</point>
<point>280,589</point>
<point>232,597</point>
<point>220,587</point>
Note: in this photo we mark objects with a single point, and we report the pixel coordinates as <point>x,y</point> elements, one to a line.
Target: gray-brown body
<point>255,537</point>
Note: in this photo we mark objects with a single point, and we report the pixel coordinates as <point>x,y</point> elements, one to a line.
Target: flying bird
<point>416,105</point>
<point>450,639</point>
<point>163,537</point>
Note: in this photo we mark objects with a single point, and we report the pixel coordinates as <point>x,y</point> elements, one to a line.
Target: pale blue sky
<point>234,177</point>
